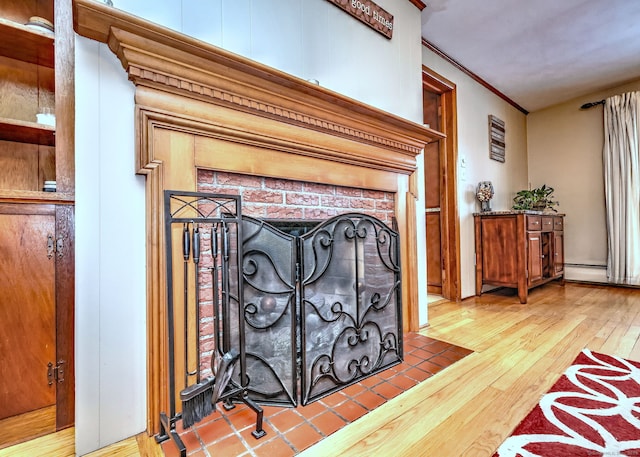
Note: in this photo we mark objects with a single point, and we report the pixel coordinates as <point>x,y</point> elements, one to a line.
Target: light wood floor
<point>469,408</point>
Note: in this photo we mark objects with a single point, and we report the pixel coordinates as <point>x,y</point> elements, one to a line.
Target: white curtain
<point>622,187</point>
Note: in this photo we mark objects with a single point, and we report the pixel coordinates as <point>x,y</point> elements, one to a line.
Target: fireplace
<point>200,108</point>
<point>306,307</point>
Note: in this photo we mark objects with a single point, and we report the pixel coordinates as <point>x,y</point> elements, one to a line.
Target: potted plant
<point>538,199</point>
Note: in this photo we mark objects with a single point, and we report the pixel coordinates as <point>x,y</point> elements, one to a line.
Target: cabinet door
<point>27,310</point>
<point>534,257</point>
<point>558,253</point>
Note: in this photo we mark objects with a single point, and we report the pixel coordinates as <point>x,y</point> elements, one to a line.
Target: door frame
<point>449,219</point>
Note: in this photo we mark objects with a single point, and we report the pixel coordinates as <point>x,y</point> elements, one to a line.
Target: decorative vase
<point>484,194</point>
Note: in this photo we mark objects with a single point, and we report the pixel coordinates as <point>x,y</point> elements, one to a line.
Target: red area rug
<point>592,410</point>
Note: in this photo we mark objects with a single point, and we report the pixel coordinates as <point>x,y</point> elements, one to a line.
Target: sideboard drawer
<point>558,223</point>
<point>547,223</point>
<point>534,223</point>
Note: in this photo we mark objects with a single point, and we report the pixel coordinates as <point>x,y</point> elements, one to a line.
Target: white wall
<point>565,152</point>
<point>475,104</point>
<point>110,256</point>
<point>312,39</point>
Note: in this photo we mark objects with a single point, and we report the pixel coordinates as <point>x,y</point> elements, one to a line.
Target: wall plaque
<point>497,141</point>
<point>369,13</point>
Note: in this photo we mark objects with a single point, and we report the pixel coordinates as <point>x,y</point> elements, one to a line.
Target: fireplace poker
<point>217,351</point>
<point>196,399</point>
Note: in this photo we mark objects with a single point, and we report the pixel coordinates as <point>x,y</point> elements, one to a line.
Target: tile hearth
<point>291,430</point>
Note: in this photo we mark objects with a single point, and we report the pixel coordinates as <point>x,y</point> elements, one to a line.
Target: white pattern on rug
<point>599,372</point>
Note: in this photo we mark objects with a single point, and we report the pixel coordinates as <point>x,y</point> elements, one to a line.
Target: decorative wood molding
<point>201,107</point>
<point>420,5</point>
<point>432,47</point>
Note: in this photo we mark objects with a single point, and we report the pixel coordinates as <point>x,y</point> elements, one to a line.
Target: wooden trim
<point>64,98</point>
<point>420,5</point>
<point>198,106</point>
<point>472,75</point>
<point>65,316</point>
<point>449,221</point>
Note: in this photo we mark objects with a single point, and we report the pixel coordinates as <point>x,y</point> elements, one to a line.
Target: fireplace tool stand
<point>190,219</point>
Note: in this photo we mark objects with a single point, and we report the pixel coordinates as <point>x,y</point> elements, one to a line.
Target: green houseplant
<point>538,199</point>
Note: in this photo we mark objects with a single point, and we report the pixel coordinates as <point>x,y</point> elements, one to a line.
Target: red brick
<point>282,184</point>
<point>262,196</point>
<point>315,188</point>
<point>336,202</point>
<point>303,199</point>
<point>362,203</point>
<point>205,176</point>
<point>378,195</point>
<point>284,212</point>
<point>385,205</point>
<point>349,191</point>
<point>236,179</point>
<point>319,214</point>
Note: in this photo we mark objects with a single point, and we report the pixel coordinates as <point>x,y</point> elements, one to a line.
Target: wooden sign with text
<point>369,13</point>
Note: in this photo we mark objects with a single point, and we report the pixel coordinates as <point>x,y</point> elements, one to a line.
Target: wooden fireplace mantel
<point>201,107</point>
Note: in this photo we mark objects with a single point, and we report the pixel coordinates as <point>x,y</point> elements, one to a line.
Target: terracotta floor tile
<point>440,360</point>
<point>431,367</point>
<point>417,374</point>
<point>387,390</point>
<point>247,434</point>
<point>369,399</point>
<point>231,446</point>
<point>354,389</point>
<point>276,447</point>
<point>243,418</point>
<point>312,409</point>
<point>199,453</point>
<point>437,346</point>
<point>403,382</point>
<point>302,437</point>
<point>191,441</point>
<point>214,431</point>
<point>328,422</point>
<point>286,420</point>
<point>370,382</point>
<point>412,359</point>
<point>421,354</point>
<point>334,399</point>
<point>351,410</point>
<point>169,448</point>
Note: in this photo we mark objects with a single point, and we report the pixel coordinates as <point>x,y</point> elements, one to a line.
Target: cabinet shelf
<point>27,132</point>
<point>35,196</point>
<point>20,42</point>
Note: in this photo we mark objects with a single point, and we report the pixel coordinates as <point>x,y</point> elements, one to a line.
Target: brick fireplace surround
<point>200,109</point>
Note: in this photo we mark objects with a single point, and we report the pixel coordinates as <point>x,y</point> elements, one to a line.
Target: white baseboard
<point>587,273</point>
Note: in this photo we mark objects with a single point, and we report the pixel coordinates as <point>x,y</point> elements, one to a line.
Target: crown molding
<point>432,47</point>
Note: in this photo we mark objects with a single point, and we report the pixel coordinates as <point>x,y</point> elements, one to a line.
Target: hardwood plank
<point>60,444</point>
<point>26,426</point>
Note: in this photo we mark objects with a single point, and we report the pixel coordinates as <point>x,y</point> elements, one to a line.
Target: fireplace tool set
<point>190,219</point>
<point>301,309</point>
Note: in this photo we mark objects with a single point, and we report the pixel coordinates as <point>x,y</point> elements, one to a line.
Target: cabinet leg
<point>522,295</point>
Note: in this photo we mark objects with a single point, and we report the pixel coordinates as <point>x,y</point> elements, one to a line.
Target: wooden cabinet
<point>518,249</point>
<point>37,236</point>
<point>36,74</point>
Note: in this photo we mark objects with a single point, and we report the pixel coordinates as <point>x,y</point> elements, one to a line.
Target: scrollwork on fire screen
<point>350,303</point>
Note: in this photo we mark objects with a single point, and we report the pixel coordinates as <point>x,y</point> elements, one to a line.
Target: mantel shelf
<point>27,132</point>
<point>19,42</point>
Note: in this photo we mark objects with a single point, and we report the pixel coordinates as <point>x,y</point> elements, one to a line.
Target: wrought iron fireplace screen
<point>310,312</point>
<point>321,310</point>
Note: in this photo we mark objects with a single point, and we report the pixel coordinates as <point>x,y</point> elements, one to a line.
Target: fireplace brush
<point>196,399</point>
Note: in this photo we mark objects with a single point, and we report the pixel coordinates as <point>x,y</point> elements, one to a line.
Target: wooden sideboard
<point>518,249</point>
